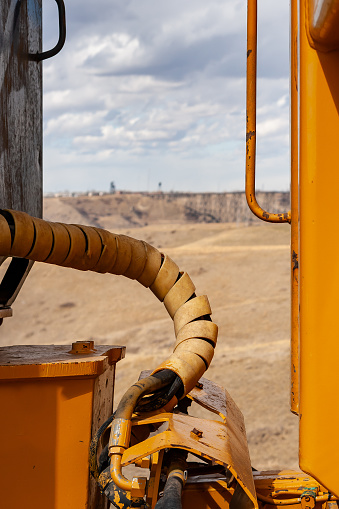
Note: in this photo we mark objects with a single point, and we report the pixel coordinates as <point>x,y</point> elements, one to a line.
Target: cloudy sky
<point>148,91</point>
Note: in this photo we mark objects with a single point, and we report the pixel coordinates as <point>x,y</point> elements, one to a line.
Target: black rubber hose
<point>148,385</point>
<point>166,376</point>
<point>93,464</point>
<point>171,498</point>
<point>177,472</point>
<point>160,398</point>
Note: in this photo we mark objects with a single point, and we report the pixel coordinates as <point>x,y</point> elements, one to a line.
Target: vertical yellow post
<point>52,400</point>
<point>319,256</point>
<point>294,212</point>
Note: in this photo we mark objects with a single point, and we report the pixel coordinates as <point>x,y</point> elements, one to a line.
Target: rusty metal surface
<point>211,396</point>
<point>20,107</point>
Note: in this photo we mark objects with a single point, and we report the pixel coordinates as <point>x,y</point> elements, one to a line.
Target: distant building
<point>112,187</point>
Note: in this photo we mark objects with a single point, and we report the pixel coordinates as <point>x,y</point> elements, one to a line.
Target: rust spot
<point>196,433</point>
<point>249,135</point>
<point>265,215</point>
<point>249,51</point>
<point>295,260</point>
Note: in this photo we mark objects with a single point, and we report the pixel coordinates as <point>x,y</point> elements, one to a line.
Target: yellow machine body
<point>52,400</point>
<point>314,242</point>
<point>318,240</point>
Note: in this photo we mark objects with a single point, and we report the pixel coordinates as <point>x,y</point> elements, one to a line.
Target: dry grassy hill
<point>126,210</point>
<point>244,270</point>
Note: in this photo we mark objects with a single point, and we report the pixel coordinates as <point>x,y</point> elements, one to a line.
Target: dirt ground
<point>243,269</point>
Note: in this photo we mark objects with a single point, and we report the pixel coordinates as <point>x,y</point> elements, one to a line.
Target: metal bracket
<point>11,284</point>
<point>308,498</point>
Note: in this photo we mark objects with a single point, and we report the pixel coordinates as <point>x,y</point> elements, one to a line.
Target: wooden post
<point>20,107</point>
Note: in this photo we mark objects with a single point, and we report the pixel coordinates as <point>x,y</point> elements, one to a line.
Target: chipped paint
<point>249,135</point>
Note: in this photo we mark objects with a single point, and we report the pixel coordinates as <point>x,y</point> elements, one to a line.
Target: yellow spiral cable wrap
<point>95,249</point>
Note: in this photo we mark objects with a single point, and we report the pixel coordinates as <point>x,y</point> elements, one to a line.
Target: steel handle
<point>62,36</point>
<point>251,121</point>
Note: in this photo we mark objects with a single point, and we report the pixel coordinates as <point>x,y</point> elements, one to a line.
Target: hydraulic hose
<point>161,398</point>
<point>176,478</point>
<point>95,249</point>
<point>121,427</point>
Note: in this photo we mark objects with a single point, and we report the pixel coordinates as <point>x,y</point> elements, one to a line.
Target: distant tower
<point>159,187</point>
<point>112,187</point>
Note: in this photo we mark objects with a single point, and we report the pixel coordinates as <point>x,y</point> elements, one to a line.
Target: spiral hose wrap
<point>95,249</point>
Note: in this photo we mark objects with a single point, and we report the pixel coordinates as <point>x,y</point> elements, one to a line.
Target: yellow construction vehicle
<point>62,446</point>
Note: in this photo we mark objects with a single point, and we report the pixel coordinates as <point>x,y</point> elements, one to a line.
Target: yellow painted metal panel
<point>46,425</point>
<point>319,261</point>
<point>218,442</point>
<point>47,429</point>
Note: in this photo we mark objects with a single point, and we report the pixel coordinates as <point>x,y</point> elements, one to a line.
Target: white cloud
<point>71,123</point>
<point>142,84</point>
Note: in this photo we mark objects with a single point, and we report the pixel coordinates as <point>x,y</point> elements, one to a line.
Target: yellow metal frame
<point>223,443</point>
<point>214,445</point>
